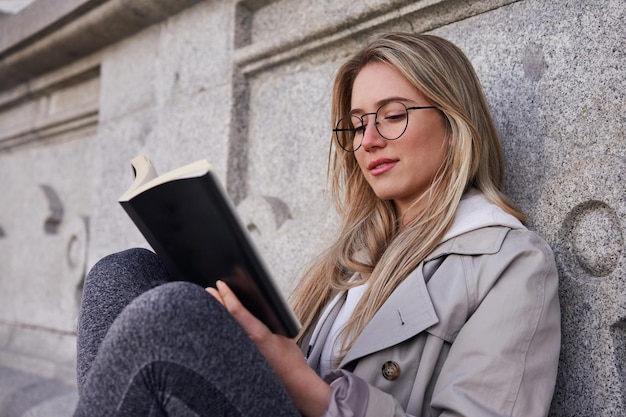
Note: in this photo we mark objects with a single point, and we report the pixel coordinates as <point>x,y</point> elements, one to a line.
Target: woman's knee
<point>126,267</point>
<point>125,260</point>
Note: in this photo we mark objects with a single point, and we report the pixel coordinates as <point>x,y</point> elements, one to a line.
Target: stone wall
<point>85,85</point>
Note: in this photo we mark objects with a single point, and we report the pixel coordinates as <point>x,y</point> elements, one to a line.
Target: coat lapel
<point>407,312</point>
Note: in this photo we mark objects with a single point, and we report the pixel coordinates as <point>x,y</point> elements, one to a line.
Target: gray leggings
<point>150,347</point>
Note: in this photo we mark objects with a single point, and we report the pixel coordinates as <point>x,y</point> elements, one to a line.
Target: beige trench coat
<point>473,331</point>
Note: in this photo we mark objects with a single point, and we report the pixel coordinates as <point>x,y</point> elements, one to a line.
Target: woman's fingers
<point>255,329</point>
<point>215,294</point>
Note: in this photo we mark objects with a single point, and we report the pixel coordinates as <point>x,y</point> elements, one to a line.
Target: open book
<point>187,218</point>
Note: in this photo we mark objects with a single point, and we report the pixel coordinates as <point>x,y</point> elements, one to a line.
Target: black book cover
<point>191,226</point>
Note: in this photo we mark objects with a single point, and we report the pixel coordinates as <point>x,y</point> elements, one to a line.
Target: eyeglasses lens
<point>392,120</point>
<point>349,132</point>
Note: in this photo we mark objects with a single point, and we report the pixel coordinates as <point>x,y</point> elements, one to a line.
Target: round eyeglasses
<point>391,120</point>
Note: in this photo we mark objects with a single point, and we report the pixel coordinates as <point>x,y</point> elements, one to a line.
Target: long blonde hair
<point>370,241</point>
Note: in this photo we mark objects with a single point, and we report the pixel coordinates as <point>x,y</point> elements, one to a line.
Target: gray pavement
<point>26,395</point>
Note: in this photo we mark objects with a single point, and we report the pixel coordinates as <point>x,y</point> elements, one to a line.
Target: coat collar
<point>483,241</point>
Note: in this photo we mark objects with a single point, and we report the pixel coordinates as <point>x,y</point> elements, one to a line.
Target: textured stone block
<point>44,250</point>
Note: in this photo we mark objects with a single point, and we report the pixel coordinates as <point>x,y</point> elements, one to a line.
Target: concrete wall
<point>85,85</point>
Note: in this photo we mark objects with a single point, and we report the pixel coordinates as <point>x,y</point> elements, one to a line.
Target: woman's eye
<point>359,130</point>
<point>393,117</point>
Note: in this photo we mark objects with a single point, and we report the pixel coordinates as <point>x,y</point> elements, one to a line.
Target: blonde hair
<point>370,241</point>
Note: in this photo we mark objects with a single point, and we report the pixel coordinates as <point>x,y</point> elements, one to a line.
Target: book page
<point>146,176</point>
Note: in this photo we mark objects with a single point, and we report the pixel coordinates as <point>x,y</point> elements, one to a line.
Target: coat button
<point>391,370</point>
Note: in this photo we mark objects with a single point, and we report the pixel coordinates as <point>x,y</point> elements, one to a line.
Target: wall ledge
<point>52,33</point>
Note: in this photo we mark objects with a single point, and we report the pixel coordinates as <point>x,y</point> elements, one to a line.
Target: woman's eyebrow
<point>381,103</point>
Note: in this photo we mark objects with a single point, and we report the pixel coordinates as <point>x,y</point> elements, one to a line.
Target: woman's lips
<point>380,166</point>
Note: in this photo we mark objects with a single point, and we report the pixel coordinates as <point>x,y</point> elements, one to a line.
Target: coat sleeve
<point>504,360</point>
<point>354,397</point>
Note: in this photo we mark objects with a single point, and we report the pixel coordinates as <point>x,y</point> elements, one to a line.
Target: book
<point>191,224</point>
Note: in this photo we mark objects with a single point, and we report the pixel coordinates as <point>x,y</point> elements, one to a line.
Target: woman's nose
<point>371,138</point>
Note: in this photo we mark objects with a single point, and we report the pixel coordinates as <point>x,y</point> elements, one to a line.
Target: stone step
<point>27,395</point>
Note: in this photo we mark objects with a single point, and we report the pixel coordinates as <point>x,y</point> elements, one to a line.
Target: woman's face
<point>400,170</point>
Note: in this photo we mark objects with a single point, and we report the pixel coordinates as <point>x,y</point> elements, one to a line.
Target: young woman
<point>435,300</point>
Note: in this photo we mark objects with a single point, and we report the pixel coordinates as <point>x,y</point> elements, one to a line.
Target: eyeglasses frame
<point>337,130</point>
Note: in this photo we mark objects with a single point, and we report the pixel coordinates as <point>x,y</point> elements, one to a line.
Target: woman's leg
<point>174,350</point>
<point>110,286</point>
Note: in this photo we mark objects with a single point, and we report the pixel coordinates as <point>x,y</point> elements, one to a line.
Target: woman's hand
<point>309,392</point>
